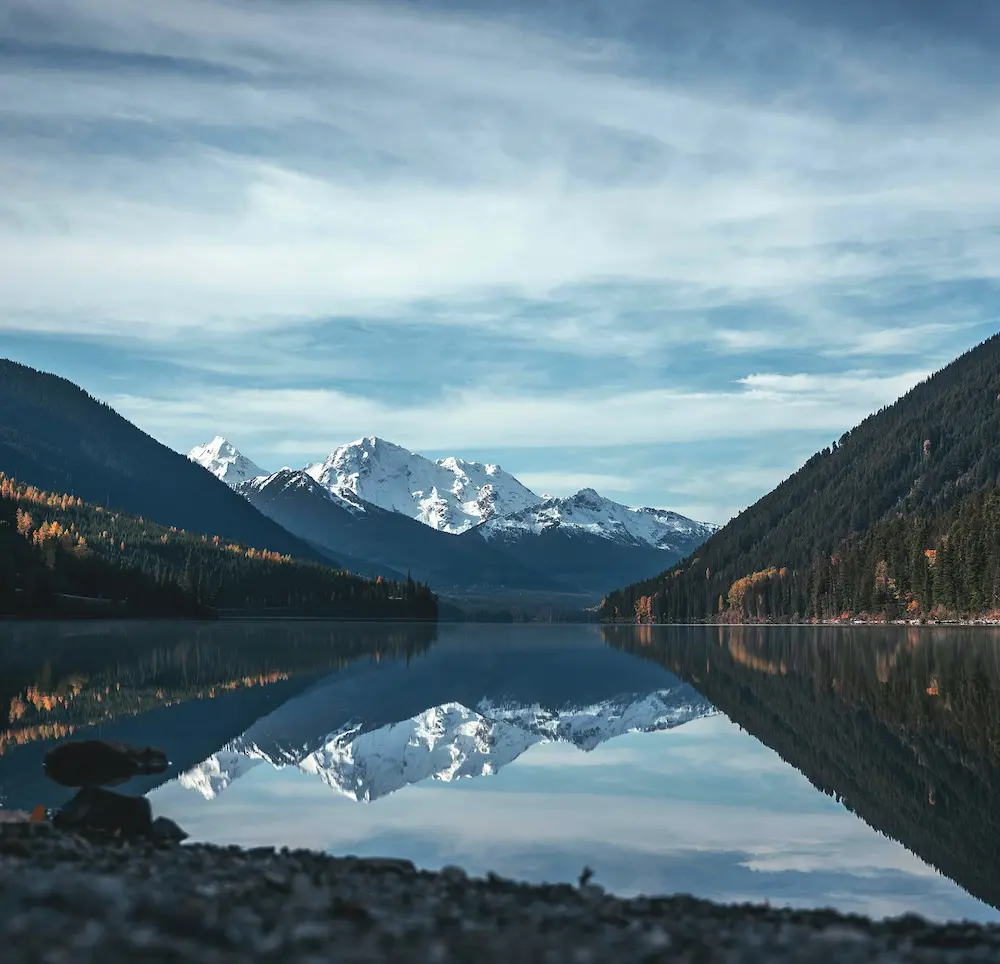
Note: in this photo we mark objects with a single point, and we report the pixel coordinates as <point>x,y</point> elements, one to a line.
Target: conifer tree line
<point>898,518</point>
<point>912,566</point>
<point>54,545</point>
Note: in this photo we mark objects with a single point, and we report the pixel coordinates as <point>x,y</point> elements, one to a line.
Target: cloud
<point>468,418</point>
<point>548,228</point>
<point>570,482</point>
<point>270,164</point>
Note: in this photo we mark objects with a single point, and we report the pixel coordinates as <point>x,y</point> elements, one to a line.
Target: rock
<point>82,763</point>
<point>97,809</point>
<point>166,831</point>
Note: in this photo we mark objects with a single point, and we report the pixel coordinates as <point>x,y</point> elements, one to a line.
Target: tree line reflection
<point>900,725</point>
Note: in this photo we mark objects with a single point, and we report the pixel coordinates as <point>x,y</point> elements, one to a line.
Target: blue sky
<point>667,249</point>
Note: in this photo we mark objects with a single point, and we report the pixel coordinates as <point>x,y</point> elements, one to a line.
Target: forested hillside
<point>56,545</point>
<point>900,516</point>
<point>55,436</point>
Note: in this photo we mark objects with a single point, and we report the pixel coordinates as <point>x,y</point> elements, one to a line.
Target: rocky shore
<point>76,899</point>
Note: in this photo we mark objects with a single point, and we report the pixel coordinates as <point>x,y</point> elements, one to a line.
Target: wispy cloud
<point>466,418</point>
<point>265,194</point>
<point>264,162</point>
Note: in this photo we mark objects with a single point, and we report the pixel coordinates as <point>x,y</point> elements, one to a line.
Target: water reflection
<point>185,687</point>
<point>589,745</point>
<point>469,707</point>
<point>900,725</point>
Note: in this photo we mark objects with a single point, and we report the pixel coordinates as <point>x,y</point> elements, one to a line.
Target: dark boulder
<point>166,831</point>
<point>98,810</point>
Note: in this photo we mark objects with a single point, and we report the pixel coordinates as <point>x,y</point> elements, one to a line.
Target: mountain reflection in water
<point>591,745</point>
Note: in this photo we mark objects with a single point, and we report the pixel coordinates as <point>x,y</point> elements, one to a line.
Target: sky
<point>663,248</point>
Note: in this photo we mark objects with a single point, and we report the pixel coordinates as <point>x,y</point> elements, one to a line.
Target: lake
<point>849,767</point>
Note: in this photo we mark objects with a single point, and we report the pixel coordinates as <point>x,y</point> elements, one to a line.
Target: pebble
<point>101,901</point>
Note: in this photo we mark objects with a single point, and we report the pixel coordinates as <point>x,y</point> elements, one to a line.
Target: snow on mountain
<point>450,494</point>
<point>589,512</point>
<point>224,461</point>
<point>287,480</point>
<point>448,742</point>
<point>453,495</point>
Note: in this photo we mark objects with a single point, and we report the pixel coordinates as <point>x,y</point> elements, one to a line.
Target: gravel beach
<point>66,898</point>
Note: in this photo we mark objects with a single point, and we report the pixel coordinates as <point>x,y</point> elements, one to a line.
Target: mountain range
<point>451,494</point>
<point>457,524</point>
<point>371,507</point>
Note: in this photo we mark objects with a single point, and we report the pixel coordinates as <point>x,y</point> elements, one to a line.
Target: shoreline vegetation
<point>989,619</point>
<point>63,557</point>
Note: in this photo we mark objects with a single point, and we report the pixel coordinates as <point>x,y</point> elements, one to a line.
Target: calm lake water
<point>857,768</point>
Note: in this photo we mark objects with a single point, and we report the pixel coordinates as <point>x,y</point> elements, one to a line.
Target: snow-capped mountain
<point>224,461</point>
<point>450,494</point>
<point>588,512</point>
<point>373,541</point>
<point>482,529</point>
<point>454,496</point>
<point>212,776</point>
<point>447,742</point>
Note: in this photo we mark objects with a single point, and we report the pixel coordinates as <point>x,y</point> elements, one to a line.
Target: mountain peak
<point>590,512</point>
<point>225,461</point>
<point>369,443</point>
<point>449,494</point>
<point>220,445</point>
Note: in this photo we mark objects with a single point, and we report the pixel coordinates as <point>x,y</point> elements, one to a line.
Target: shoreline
<point>913,623</point>
<point>67,897</point>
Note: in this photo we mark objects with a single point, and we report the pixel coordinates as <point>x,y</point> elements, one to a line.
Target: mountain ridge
<point>57,437</point>
<point>374,536</point>
<point>222,459</point>
<point>351,474</point>
<point>450,494</point>
<point>591,512</point>
<point>899,516</point>
<point>582,544</point>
